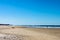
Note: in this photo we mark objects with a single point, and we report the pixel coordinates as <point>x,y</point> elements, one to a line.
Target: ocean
<point>41,26</point>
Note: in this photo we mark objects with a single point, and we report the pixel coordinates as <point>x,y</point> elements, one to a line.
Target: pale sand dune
<point>33,33</point>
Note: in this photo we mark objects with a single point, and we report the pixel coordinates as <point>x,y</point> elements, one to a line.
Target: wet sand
<point>31,33</point>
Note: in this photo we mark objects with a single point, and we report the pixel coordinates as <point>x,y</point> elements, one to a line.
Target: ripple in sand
<point>10,37</point>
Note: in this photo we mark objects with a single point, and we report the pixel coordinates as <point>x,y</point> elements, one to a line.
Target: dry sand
<point>30,33</point>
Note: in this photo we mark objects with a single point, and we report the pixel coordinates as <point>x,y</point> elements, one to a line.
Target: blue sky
<point>30,12</point>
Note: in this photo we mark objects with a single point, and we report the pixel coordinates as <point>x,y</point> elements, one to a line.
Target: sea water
<point>38,26</point>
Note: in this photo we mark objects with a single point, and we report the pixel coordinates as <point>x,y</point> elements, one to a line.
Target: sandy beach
<point>20,33</point>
